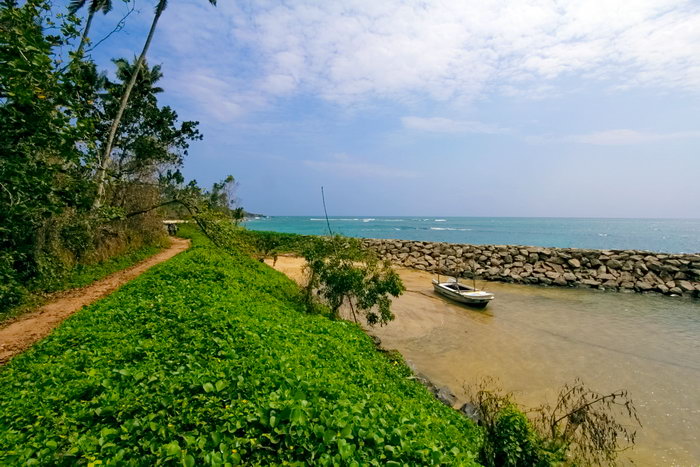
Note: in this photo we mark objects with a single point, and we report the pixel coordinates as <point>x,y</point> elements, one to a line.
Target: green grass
<point>81,276</point>
<point>209,359</point>
<point>84,275</point>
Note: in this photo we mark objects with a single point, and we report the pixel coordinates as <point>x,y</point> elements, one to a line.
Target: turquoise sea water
<point>662,235</point>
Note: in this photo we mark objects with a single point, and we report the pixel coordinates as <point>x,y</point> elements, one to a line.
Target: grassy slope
<point>207,358</point>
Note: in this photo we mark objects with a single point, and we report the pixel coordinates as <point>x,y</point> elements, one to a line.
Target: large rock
<point>613,264</point>
<point>446,396</point>
<point>569,276</point>
<point>685,286</point>
<point>471,411</point>
<point>574,263</point>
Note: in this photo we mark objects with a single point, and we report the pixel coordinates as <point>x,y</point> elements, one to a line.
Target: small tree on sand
<point>341,271</point>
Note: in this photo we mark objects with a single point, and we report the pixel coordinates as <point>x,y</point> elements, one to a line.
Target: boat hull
<point>476,299</point>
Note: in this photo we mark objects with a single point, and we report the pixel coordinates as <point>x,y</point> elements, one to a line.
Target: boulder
<point>569,276</point>
<point>642,285</point>
<point>446,396</point>
<point>613,264</point>
<point>686,286</point>
<point>471,411</point>
<point>560,280</point>
<point>574,263</point>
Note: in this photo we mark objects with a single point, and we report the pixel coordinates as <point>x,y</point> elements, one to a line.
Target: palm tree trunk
<point>86,31</point>
<point>106,156</point>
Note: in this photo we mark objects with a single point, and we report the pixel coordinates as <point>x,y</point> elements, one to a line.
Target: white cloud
<point>356,50</point>
<point>213,95</point>
<point>625,137</point>
<point>446,125</point>
<point>344,165</point>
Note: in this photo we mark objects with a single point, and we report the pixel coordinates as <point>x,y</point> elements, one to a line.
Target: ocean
<point>659,235</point>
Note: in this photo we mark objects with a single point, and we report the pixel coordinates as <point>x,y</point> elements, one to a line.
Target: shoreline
<point>526,343</point>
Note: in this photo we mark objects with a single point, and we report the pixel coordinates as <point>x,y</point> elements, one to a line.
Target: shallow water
<point>536,339</point>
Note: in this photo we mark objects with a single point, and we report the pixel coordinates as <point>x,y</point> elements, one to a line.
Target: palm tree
<point>105,6</point>
<point>160,7</point>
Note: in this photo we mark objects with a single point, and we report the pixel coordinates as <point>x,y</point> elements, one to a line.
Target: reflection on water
<point>536,339</point>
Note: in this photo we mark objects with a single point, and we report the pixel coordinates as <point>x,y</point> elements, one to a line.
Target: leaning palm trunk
<point>86,31</point>
<point>107,154</point>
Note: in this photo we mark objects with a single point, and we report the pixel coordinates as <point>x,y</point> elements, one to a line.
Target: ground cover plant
<point>82,275</point>
<point>208,359</point>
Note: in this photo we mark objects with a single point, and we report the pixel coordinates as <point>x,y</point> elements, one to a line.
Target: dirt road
<point>24,331</point>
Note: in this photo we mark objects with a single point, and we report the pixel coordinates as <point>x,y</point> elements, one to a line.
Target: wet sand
<point>536,339</point>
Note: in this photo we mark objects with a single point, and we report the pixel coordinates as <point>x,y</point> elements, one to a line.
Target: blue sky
<point>511,108</point>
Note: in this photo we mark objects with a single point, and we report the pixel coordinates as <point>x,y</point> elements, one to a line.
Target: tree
<point>106,156</point>
<point>40,168</point>
<point>105,6</point>
<point>341,271</point>
<point>150,139</point>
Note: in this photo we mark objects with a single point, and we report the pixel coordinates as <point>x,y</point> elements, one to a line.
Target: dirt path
<point>23,332</point>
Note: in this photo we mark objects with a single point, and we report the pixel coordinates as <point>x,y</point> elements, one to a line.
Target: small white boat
<point>463,293</point>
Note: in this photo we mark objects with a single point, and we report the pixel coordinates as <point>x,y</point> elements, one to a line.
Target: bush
<point>11,290</point>
<point>582,428</point>
<point>342,271</point>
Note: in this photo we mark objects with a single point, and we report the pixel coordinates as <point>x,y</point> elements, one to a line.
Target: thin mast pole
<point>328,223</point>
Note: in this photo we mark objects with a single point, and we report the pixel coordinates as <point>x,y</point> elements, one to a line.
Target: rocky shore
<point>623,270</point>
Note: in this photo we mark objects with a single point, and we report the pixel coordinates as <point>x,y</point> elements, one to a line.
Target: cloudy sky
<point>462,108</point>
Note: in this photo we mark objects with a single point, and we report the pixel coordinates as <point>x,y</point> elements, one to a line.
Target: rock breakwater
<point>624,270</point>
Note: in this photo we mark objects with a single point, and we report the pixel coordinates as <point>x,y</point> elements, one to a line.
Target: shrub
<point>341,271</point>
<point>581,429</point>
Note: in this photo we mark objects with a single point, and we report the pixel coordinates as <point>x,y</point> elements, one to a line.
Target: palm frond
<point>105,6</point>
<point>75,5</point>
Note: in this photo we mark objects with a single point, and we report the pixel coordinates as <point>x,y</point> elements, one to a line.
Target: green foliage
<point>83,274</point>
<point>509,437</point>
<point>341,271</point>
<point>271,244</point>
<point>54,117</point>
<point>210,359</point>
<point>581,429</point>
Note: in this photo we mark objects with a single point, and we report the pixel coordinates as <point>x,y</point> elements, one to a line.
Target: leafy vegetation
<point>68,195</point>
<point>85,274</point>
<point>341,271</point>
<point>208,359</point>
<point>582,428</point>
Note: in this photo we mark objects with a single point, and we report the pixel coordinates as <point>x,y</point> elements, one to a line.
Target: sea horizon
<point>664,235</point>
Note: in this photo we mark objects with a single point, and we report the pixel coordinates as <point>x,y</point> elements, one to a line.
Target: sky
<point>446,108</point>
